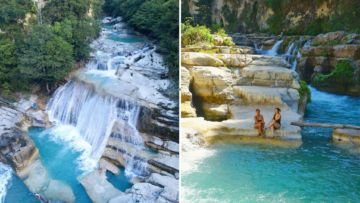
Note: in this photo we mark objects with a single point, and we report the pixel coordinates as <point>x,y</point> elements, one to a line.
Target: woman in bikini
<point>276,120</point>
<point>259,123</point>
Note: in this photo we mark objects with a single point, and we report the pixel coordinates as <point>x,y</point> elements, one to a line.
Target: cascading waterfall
<point>94,116</point>
<point>291,55</point>
<point>127,134</point>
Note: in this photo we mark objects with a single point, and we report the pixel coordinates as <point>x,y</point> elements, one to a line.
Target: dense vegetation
<point>311,16</point>
<point>202,35</point>
<point>305,91</point>
<point>155,18</point>
<point>343,74</point>
<point>41,45</point>
<point>343,17</point>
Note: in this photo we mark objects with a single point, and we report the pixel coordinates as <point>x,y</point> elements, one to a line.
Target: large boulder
<point>185,85</point>
<point>271,76</point>
<point>216,112</point>
<point>235,60</point>
<point>187,109</point>
<point>255,95</point>
<point>140,192</point>
<point>212,84</point>
<point>98,188</point>
<point>200,59</point>
<point>324,39</point>
<point>170,185</point>
<point>346,136</point>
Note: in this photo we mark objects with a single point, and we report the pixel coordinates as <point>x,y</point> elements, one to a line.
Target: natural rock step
<point>261,60</point>
<point>98,188</point>
<point>170,185</point>
<point>164,167</point>
<point>346,136</point>
<point>242,125</point>
<point>166,120</point>
<point>273,76</point>
<point>257,95</point>
<point>158,144</point>
<point>124,147</point>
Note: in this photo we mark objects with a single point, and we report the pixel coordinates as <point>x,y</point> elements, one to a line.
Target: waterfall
<point>93,115</point>
<point>96,117</point>
<point>291,55</point>
<point>274,50</point>
<point>126,133</point>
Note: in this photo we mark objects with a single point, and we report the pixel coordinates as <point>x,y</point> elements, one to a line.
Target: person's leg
<point>258,127</point>
<point>271,124</point>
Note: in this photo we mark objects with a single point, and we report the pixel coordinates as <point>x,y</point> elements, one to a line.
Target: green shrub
<point>304,91</point>
<point>191,35</point>
<point>343,74</point>
<point>202,35</point>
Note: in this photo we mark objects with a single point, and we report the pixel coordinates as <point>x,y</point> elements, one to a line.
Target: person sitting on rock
<point>259,122</point>
<point>276,120</point>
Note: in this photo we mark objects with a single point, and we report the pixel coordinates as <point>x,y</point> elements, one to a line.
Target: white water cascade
<point>5,177</point>
<point>274,50</point>
<point>94,116</point>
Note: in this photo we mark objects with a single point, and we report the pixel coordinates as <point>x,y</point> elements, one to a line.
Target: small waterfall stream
<point>273,51</point>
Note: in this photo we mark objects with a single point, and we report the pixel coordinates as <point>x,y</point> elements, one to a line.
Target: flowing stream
<point>317,171</point>
<point>85,112</point>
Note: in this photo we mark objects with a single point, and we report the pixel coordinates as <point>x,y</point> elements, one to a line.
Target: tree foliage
<point>13,11</point>
<point>44,56</point>
<point>44,52</point>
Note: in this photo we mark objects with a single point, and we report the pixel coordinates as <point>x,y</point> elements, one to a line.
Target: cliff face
<point>296,16</point>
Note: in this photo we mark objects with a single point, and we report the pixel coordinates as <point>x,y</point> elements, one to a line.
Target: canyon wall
<point>276,16</point>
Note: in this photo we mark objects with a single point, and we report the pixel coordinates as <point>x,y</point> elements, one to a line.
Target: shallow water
<point>318,171</point>
<point>126,38</point>
<point>62,163</point>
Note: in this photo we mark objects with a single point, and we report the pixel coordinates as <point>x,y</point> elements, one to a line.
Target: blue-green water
<point>318,171</point>
<point>61,162</point>
<point>18,192</point>
<point>126,38</point>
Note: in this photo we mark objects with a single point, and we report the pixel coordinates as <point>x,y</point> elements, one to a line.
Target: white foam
<point>70,135</point>
<point>5,177</point>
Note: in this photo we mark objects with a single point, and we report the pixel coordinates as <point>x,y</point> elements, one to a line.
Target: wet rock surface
<point>16,147</point>
<point>225,97</point>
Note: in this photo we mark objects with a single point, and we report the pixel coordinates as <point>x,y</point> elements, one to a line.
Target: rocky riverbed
<point>220,92</point>
<point>116,116</point>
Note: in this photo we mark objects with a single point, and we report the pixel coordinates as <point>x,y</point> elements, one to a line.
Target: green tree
<point>13,11</point>
<point>43,56</point>
<point>59,10</point>
<point>84,31</point>
<point>7,59</point>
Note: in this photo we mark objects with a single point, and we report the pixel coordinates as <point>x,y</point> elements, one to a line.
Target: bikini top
<point>259,118</point>
<point>277,120</point>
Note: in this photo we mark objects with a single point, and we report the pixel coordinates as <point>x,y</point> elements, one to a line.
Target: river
<point>86,108</point>
<point>317,171</point>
